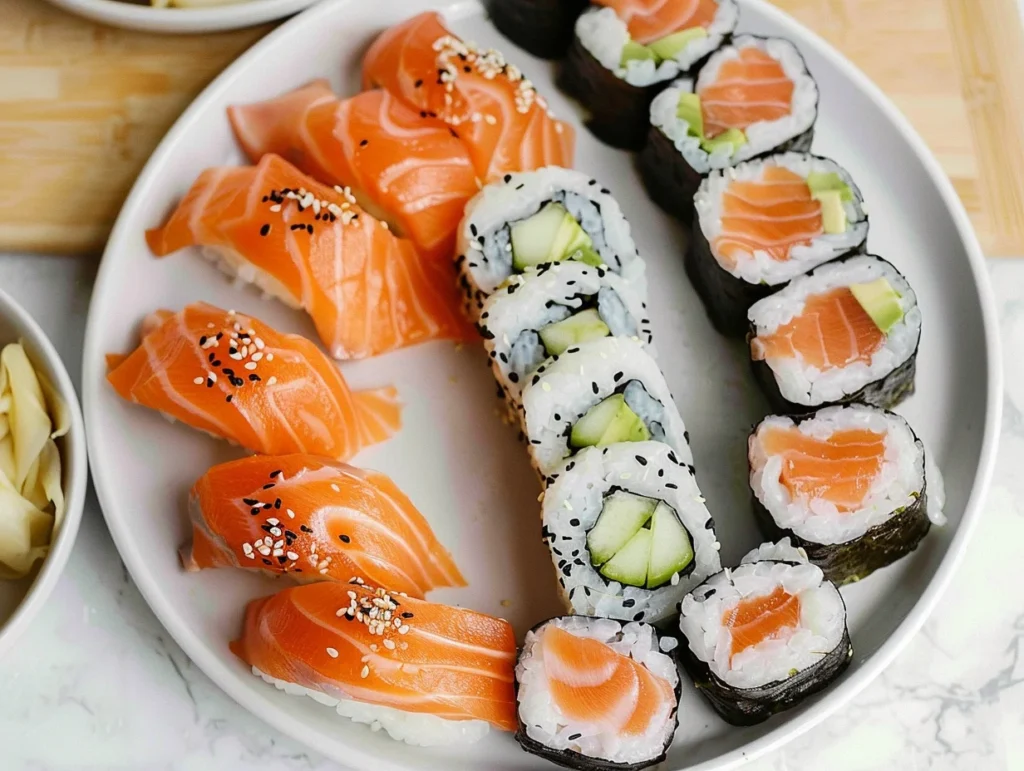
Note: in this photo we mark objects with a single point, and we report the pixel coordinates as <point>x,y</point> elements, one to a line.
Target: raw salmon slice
<point>650,20</point>
<point>840,469</point>
<point>234,377</point>
<point>592,683</point>
<point>832,331</point>
<point>409,654</point>
<point>367,291</point>
<point>407,169</point>
<point>749,89</point>
<point>772,214</point>
<point>314,519</point>
<point>495,110</point>
<point>757,619</point>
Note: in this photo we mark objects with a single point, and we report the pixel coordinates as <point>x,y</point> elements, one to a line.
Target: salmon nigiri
<point>234,377</point>
<point>314,519</point>
<point>311,246</point>
<point>427,673</point>
<point>407,169</point>
<point>489,103</point>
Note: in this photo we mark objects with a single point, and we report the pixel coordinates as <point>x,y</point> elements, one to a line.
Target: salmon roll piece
<point>486,100</point>
<point>851,486</point>
<point>847,332</point>
<point>597,694</point>
<point>312,247</point>
<point>425,673</point>
<point>760,638</point>
<point>236,378</point>
<point>543,28</point>
<point>314,519</point>
<point>625,51</point>
<point>762,223</point>
<point>752,98</point>
<point>408,170</point>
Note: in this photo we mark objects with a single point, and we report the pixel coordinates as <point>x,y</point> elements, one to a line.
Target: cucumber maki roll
<point>541,27</point>
<point>597,694</point>
<point>762,223</point>
<point>598,394</point>
<point>848,332</point>
<point>752,98</point>
<point>762,637</point>
<point>628,532</point>
<point>847,485</point>
<point>621,57</point>
<point>556,306</point>
<point>539,217</point>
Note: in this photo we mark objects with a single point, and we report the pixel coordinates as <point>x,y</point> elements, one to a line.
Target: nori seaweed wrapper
<point>844,563</point>
<point>544,28</point>
<point>750,706</point>
<point>672,182</point>
<point>884,393</point>
<point>579,761</point>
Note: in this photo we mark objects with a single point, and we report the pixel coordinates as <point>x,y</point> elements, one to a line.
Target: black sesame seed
<point>407,614</point>
<point>418,83</point>
<point>265,229</point>
<point>596,389</point>
<point>345,539</point>
<point>574,737</point>
<point>606,191</point>
<point>277,503</point>
<point>305,529</point>
<point>628,603</point>
<point>228,398</point>
<point>309,228</point>
<point>520,187</point>
<point>641,460</point>
<point>267,506</point>
<point>254,378</point>
<point>513,377</point>
<point>661,472</point>
<point>639,616</point>
<point>268,485</point>
<point>686,436</point>
<point>275,474</point>
<point>267,562</point>
<point>298,227</point>
<point>364,143</point>
<point>574,522</point>
<point>255,511</point>
<point>508,178</point>
<point>672,485</point>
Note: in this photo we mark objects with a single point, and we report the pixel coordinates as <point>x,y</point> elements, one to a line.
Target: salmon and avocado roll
<point>427,674</point>
<point>625,51</point>
<point>539,217</point>
<point>541,27</point>
<point>596,694</point>
<point>752,98</point>
<point>760,638</point>
<point>628,532</point>
<point>762,223</point>
<point>556,306</point>
<point>849,485</point>
<point>847,332</point>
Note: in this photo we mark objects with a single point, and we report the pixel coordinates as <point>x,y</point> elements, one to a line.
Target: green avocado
<point>820,181</point>
<point>551,235</point>
<point>621,517</point>
<point>629,565</point>
<point>671,550</point>
<point>689,109</point>
<point>833,215</point>
<point>634,51</point>
<point>670,46</point>
<point>880,301</point>
<point>733,136</point>
<point>578,328</point>
<point>608,422</point>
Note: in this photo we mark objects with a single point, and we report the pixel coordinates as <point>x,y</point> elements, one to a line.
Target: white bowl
<point>21,600</point>
<point>183,20</point>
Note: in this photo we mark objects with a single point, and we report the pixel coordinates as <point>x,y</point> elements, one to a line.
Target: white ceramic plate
<point>456,459</point>
<point>240,13</point>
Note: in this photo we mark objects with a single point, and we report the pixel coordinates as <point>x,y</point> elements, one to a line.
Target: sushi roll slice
<point>542,27</point>
<point>762,223</point>
<point>598,394</point>
<point>752,98</point>
<point>593,693</point>
<point>847,485</point>
<point>555,307</point>
<point>544,216</point>
<point>427,674</point>
<point>848,332</point>
<point>624,53</point>
<point>764,636</point>
<point>628,532</point>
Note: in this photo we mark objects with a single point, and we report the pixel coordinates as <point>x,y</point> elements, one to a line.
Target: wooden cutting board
<point>82,106</point>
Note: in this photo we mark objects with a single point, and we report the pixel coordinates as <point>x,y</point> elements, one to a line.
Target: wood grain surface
<point>82,106</point>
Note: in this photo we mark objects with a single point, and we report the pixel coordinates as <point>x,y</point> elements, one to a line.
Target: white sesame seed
<point>332,653</point>
<point>403,629</point>
<point>247,548</point>
<point>389,644</point>
<point>265,551</point>
<point>323,571</point>
<point>335,488</point>
<point>275,531</point>
<point>373,647</point>
<point>270,357</point>
<point>276,207</point>
<point>259,344</point>
<point>272,381</point>
<point>273,521</point>
<point>365,672</point>
<point>289,512</point>
<point>278,544</point>
<point>352,594</point>
<point>292,556</point>
<point>250,365</point>
<point>278,552</point>
<point>199,381</point>
<point>256,356</point>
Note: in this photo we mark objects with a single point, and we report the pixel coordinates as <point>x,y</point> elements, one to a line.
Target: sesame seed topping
<point>332,653</point>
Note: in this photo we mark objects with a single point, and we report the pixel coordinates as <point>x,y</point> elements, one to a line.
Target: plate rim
<point>838,696</point>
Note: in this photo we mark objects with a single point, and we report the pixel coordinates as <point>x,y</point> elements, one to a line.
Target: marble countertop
<point>97,683</point>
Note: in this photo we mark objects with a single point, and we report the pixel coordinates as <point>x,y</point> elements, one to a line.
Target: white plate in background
<point>215,18</point>
<point>455,458</point>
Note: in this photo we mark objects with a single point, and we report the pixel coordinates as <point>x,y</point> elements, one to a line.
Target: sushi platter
<point>622,407</point>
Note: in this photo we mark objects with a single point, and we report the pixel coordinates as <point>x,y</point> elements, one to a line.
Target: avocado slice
<point>733,136</point>
<point>571,241</point>
<point>629,565</point>
<point>833,215</point>
<point>532,237</point>
<point>670,46</point>
<point>880,301</point>
<point>608,422</point>
<point>579,328</point>
<point>689,109</point>
<point>622,516</point>
<point>634,51</point>
<point>671,550</point>
<point>820,181</point>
